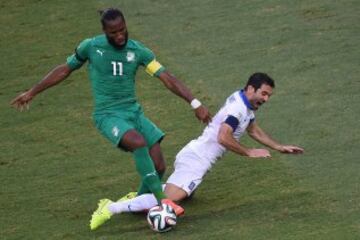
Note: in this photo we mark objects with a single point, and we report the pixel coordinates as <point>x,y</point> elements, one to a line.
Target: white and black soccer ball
<point>161,218</point>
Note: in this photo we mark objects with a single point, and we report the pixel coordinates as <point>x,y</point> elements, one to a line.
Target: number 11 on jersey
<point>117,68</point>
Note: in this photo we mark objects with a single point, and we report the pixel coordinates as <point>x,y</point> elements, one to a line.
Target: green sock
<point>144,189</point>
<point>146,169</point>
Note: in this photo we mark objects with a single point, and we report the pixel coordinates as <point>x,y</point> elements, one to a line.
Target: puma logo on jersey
<point>100,52</point>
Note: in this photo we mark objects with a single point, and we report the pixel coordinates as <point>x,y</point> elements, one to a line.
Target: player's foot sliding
<point>177,209</point>
<point>101,215</point>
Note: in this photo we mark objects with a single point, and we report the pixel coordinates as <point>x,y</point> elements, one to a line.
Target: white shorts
<point>189,170</point>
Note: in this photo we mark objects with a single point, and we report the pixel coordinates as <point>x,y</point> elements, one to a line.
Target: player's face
<point>260,96</point>
<point>116,32</point>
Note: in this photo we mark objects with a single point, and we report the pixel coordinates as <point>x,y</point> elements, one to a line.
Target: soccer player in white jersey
<point>193,161</point>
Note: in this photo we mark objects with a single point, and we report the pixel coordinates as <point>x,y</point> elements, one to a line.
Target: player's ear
<point>250,89</point>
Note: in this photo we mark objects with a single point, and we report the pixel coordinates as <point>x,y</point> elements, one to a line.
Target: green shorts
<point>114,125</point>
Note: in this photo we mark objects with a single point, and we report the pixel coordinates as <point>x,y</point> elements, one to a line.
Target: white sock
<point>138,204</point>
<point>118,207</point>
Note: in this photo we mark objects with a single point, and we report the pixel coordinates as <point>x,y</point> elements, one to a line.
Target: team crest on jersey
<point>130,57</point>
<point>115,131</point>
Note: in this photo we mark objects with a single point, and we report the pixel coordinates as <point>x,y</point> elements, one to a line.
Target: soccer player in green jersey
<point>113,60</point>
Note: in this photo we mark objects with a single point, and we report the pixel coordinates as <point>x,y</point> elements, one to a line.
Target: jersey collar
<point>245,99</point>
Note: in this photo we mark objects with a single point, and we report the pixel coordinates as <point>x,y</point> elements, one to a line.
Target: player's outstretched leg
<point>101,215</point>
<point>177,208</point>
<point>141,203</point>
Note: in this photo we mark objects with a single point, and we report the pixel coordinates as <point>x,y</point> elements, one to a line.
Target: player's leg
<point>182,176</point>
<point>158,158</point>
<point>175,193</point>
<point>140,203</point>
<point>121,132</point>
<point>144,202</point>
<point>188,175</point>
<point>120,129</point>
<point>153,136</point>
<point>160,166</point>
<point>151,180</point>
<point>135,142</point>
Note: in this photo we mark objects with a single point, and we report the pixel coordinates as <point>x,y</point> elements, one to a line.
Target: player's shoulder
<point>234,101</point>
<point>134,44</point>
<point>92,41</point>
<point>234,98</point>
<point>99,41</point>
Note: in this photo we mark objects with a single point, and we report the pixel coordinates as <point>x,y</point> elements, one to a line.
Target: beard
<point>115,45</point>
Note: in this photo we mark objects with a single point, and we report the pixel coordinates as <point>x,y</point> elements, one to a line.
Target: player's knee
<point>174,192</point>
<point>132,140</point>
<point>138,143</point>
<point>177,196</point>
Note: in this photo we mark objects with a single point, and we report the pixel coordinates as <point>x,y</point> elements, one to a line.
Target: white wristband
<point>195,103</point>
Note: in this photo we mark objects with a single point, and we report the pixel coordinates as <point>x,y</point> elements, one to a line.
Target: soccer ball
<point>161,218</point>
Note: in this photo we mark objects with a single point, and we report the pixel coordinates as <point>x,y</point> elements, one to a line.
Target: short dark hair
<point>110,14</point>
<point>258,79</point>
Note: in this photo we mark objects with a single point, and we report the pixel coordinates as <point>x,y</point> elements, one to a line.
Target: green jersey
<point>112,71</point>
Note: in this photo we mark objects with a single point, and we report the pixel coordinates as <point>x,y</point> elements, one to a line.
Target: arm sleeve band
<point>153,67</point>
<point>80,59</point>
<point>232,121</point>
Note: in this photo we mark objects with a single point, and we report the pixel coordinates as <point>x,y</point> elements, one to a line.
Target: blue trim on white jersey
<point>232,121</point>
<point>245,99</point>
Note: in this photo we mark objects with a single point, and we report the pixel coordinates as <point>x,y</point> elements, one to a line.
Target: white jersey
<point>206,146</point>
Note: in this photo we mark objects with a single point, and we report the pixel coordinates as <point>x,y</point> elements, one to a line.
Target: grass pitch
<point>54,166</point>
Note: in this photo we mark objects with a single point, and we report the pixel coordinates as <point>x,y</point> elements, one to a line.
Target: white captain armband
<point>232,121</point>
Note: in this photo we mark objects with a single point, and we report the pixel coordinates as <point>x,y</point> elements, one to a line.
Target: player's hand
<point>22,101</point>
<point>259,153</point>
<point>202,113</point>
<point>291,149</point>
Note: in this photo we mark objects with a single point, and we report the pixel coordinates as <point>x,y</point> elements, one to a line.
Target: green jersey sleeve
<point>80,56</point>
<point>152,66</point>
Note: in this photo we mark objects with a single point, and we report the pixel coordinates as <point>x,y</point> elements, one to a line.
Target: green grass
<point>54,166</point>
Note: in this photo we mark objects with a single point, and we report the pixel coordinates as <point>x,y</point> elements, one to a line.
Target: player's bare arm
<point>225,138</point>
<point>178,88</point>
<point>262,137</point>
<point>54,77</point>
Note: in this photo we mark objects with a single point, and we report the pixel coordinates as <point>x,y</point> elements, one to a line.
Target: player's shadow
<point>202,213</point>
<point>279,207</point>
<point>124,224</point>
